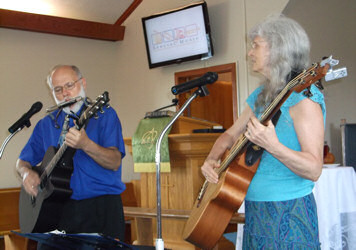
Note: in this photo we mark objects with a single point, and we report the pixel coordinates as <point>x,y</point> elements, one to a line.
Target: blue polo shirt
<point>89,179</point>
<point>274,181</point>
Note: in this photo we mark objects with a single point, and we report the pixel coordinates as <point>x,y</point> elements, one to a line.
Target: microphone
<point>25,119</point>
<point>64,104</point>
<point>207,78</point>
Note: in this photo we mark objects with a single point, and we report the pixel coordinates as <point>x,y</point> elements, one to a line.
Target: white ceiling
<point>103,11</point>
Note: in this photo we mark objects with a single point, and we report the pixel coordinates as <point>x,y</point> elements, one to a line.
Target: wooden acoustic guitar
<point>216,203</point>
<point>42,213</point>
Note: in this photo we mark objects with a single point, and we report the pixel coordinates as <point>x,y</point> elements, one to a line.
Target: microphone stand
<point>7,140</point>
<point>201,91</point>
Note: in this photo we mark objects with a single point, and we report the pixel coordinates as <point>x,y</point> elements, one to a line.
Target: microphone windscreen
<point>36,107</point>
<point>211,77</point>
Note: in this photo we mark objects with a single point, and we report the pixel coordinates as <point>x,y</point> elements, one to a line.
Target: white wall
<point>25,59</point>
<point>331,26</point>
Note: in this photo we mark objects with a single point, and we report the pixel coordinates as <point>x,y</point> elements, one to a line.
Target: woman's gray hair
<point>289,48</point>
<point>74,68</point>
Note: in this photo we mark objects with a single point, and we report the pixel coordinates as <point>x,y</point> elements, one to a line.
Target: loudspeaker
<point>348,144</point>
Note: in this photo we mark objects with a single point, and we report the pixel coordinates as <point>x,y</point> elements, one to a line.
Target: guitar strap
<point>65,129</point>
<point>65,126</point>
<point>67,158</point>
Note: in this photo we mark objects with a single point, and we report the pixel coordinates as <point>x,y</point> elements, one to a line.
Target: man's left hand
<point>76,138</point>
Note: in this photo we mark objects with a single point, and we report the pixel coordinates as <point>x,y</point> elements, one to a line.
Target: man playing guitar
<point>95,204</point>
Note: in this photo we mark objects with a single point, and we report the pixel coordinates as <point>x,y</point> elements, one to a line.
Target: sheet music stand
<point>79,241</point>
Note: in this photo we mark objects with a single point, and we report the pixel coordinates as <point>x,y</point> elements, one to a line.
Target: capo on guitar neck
<point>74,116</point>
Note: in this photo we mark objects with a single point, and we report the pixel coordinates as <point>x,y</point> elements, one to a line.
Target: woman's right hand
<point>208,170</point>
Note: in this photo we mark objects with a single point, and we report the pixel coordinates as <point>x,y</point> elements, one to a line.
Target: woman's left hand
<point>261,135</point>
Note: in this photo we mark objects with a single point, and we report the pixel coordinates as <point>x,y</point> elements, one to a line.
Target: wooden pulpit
<point>180,187</point>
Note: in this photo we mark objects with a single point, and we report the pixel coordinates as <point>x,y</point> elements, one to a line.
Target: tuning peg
<point>93,114</point>
<point>308,93</point>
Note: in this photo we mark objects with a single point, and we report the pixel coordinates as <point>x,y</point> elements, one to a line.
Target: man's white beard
<point>76,106</point>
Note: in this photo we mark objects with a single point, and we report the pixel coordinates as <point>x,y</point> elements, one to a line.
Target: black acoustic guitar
<point>42,213</point>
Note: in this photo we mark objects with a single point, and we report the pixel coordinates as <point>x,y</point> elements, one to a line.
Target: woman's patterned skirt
<point>291,224</point>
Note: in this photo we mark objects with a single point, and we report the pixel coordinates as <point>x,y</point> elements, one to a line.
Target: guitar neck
<point>242,141</point>
<point>268,113</point>
<point>50,166</point>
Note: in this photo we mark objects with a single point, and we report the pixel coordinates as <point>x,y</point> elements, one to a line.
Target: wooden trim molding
<point>128,12</point>
<point>66,26</point>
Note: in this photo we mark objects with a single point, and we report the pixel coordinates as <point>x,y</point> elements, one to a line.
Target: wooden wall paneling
<point>180,187</point>
<point>9,220</point>
<point>9,209</point>
<point>221,104</point>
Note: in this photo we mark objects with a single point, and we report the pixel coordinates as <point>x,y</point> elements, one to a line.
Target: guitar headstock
<point>316,72</point>
<point>97,106</point>
<point>308,77</point>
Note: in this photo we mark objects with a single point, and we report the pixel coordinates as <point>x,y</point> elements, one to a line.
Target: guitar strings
<point>241,142</point>
<point>53,162</point>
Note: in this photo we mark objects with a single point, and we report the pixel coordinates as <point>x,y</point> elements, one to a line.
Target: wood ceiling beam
<point>128,12</point>
<point>61,26</point>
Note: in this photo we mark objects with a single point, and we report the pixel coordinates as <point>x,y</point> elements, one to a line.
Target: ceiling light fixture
<point>33,6</point>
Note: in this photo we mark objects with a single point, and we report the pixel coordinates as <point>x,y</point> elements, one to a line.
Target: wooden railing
<point>143,220</point>
<point>9,206</point>
<point>142,217</point>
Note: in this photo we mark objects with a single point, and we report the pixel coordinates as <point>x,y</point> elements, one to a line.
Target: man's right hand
<point>31,182</point>
<point>30,179</point>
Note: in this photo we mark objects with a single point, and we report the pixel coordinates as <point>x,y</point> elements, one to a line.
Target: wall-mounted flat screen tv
<point>178,35</point>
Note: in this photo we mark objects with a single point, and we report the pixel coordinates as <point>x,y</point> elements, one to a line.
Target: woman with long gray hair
<point>280,208</point>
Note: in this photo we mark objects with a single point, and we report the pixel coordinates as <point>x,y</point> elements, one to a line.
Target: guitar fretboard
<point>271,109</point>
<point>285,92</point>
<point>46,173</point>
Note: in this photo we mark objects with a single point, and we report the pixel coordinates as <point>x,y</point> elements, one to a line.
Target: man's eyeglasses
<point>67,86</point>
